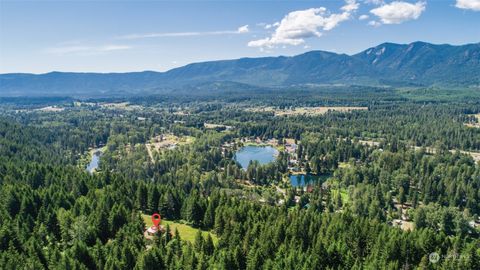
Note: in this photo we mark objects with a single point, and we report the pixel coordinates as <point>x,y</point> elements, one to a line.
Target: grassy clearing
<point>305,110</point>
<point>343,194</point>
<point>186,232</point>
<point>51,109</point>
<point>121,106</point>
<point>166,141</point>
<point>215,126</point>
<point>473,124</point>
<point>344,165</point>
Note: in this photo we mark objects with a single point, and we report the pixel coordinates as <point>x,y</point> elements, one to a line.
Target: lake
<point>263,154</point>
<point>93,165</point>
<point>301,180</point>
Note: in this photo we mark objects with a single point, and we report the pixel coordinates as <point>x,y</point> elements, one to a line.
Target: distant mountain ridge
<point>418,63</point>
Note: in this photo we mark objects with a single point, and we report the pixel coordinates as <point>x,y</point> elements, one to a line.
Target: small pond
<point>263,154</point>
<point>301,180</point>
<point>93,165</point>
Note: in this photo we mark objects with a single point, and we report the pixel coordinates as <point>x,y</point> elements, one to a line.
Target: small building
<point>153,230</point>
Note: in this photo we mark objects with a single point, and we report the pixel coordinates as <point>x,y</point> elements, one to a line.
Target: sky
<point>123,36</point>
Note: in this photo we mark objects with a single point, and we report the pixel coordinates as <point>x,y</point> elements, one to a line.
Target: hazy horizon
<point>111,37</point>
<point>280,55</point>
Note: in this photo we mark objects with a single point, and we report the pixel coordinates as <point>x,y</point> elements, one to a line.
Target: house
<point>290,148</point>
<point>154,230</point>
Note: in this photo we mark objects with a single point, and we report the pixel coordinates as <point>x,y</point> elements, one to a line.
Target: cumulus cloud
<point>299,25</point>
<point>350,5</point>
<point>80,49</point>
<point>468,4</point>
<point>243,29</point>
<point>398,11</point>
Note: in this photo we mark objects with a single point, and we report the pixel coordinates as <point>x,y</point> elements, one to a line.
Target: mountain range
<point>416,64</point>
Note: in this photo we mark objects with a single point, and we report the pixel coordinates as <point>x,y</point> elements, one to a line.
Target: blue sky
<point>119,36</point>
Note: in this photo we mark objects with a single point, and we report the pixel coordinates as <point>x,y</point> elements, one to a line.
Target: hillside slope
<point>418,63</point>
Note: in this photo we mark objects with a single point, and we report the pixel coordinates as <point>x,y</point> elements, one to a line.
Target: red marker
<point>156,219</point>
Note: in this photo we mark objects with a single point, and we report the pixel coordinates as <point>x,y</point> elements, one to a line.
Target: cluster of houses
<point>163,142</point>
<point>291,150</point>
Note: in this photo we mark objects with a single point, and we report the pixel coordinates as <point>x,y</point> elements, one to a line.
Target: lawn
<point>343,194</point>
<point>186,232</point>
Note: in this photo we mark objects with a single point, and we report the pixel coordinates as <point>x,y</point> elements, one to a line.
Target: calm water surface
<point>301,180</point>
<point>93,165</point>
<point>264,155</point>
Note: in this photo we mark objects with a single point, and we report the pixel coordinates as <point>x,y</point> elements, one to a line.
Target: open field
<point>305,110</point>
<point>403,224</point>
<point>215,126</point>
<point>51,109</point>
<point>166,141</point>
<point>474,125</point>
<point>474,155</point>
<point>344,165</point>
<point>369,142</point>
<point>186,232</point>
<point>121,106</point>
<point>343,194</point>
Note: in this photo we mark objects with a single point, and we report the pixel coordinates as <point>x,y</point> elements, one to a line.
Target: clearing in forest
<point>121,106</point>
<point>216,126</point>
<point>305,110</point>
<point>166,141</point>
<point>51,109</point>
<point>473,124</point>
<point>186,232</point>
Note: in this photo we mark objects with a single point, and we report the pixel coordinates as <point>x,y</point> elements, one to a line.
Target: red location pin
<point>156,219</point>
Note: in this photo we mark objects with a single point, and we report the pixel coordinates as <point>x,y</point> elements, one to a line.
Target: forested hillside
<point>396,182</point>
<point>418,64</point>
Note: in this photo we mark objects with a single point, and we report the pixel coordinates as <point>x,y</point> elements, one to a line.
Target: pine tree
<point>153,199</point>
<point>208,246</point>
<point>141,197</point>
<point>198,241</point>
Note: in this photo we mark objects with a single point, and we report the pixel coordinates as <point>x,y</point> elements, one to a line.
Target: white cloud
<point>374,23</point>
<point>350,5</point>
<point>243,29</point>
<point>275,24</point>
<point>108,48</point>
<point>80,49</point>
<point>374,2</point>
<point>468,4</point>
<point>398,11</point>
<point>363,17</point>
<point>298,25</point>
